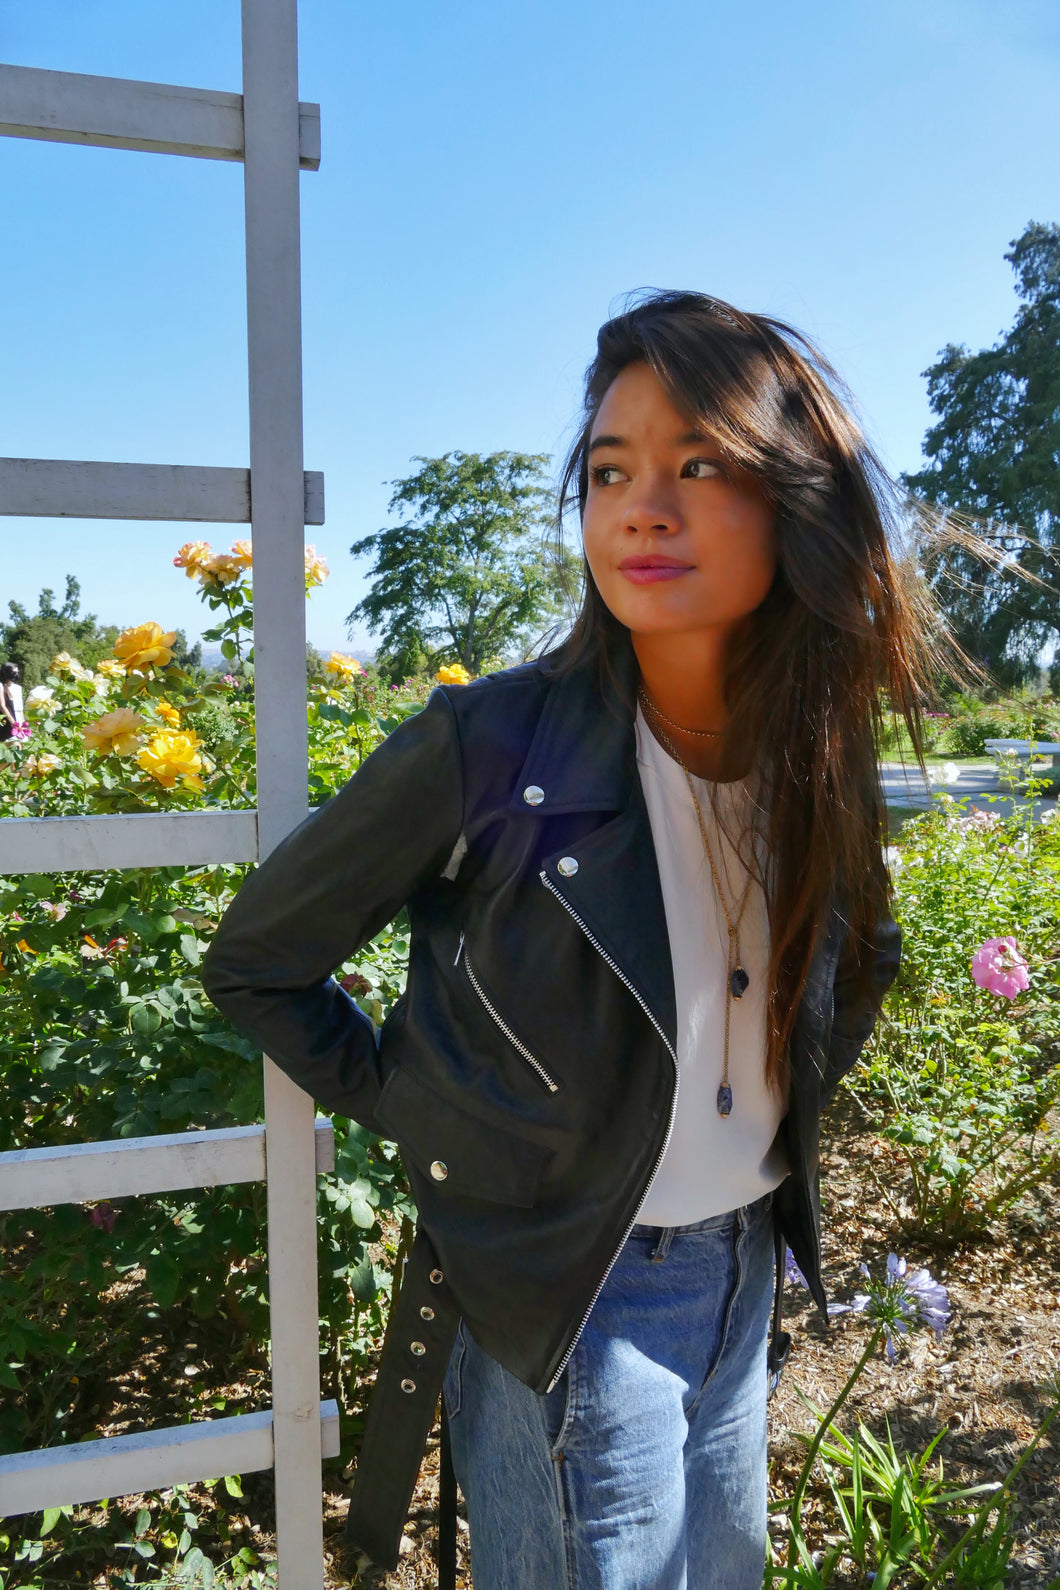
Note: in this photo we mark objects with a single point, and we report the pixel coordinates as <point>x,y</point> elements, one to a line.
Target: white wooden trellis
<point>274,136</point>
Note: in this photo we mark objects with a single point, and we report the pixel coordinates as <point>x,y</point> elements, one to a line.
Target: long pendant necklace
<point>736,978</point>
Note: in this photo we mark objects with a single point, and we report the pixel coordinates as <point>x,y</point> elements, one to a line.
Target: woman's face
<point>677,539</point>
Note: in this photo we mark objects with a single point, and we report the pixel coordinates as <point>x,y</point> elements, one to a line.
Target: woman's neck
<point>683,678</point>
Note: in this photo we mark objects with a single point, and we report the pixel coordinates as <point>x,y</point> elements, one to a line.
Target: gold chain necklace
<point>736,978</point>
<point>660,715</point>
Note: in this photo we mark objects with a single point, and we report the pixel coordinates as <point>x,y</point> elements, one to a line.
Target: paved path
<point>905,786</point>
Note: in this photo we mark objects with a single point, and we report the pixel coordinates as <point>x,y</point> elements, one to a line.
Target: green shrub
<point>959,1085</point>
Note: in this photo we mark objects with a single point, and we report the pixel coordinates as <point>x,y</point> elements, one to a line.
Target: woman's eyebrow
<point>689,439</point>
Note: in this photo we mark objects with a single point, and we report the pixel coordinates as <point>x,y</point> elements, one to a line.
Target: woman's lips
<point>647,571</point>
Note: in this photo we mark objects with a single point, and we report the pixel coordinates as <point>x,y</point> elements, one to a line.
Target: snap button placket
<point>439,1169</point>
<point>533,795</point>
<point>417,1349</point>
<point>437,1277</point>
<point>408,1386</point>
<point>426,1313</point>
<point>566,866</point>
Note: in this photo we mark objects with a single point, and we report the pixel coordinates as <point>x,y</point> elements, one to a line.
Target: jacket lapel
<point>583,758</point>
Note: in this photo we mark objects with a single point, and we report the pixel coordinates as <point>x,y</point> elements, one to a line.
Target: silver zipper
<point>620,974</point>
<point>552,1086</point>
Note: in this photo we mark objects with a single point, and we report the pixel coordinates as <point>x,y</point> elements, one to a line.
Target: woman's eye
<point>701,469</point>
<point>606,474</point>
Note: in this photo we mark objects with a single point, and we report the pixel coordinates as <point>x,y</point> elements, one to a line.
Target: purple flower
<point>22,731</point>
<point>104,1215</point>
<point>900,1301</point>
<point>792,1273</point>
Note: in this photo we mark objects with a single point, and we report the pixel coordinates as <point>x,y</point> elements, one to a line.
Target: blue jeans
<point>645,1466</point>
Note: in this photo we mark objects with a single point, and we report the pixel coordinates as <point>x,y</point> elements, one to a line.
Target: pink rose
<point>998,966</point>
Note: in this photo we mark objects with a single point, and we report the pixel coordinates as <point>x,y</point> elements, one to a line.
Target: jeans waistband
<point>712,1222</point>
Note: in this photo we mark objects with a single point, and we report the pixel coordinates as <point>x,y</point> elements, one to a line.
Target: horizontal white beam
<point>62,488</point>
<point>127,839</point>
<point>125,1465</point>
<point>75,1173</point>
<point>119,113</point>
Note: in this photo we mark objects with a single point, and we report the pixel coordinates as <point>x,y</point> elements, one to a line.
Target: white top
<point>712,1163</point>
<point>15,692</point>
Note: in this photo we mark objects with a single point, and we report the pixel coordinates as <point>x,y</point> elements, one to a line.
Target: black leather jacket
<point>527,1073</point>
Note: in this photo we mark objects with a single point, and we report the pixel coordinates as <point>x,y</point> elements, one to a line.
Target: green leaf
<point>189,948</point>
<point>163,1277</point>
<point>362,1282</point>
<point>233,1485</point>
<point>146,1020</point>
<point>361,1211</point>
<point>52,1516</point>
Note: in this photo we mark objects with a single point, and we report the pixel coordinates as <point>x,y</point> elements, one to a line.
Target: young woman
<point>12,711</point>
<point>650,932</point>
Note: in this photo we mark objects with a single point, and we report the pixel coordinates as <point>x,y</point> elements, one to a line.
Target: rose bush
<point>964,1067</point>
<point>105,1031</point>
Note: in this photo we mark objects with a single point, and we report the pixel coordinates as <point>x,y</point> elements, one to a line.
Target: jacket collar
<point>583,753</point>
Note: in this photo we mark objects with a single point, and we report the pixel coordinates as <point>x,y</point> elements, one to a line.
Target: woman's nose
<point>654,507</point>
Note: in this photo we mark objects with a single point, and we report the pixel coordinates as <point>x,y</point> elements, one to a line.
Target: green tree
<point>994,458</point>
<point>465,576</point>
<point>32,640</point>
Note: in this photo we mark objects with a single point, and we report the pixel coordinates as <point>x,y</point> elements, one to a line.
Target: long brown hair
<point>846,619</point>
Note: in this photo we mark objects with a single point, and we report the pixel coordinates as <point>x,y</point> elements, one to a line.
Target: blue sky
<point>494,178</point>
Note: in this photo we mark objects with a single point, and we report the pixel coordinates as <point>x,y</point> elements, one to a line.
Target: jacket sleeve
<point>325,890</point>
<point>854,1013</point>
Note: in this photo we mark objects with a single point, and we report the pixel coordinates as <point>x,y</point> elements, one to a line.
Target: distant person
<point>12,710</point>
<point>652,853</point>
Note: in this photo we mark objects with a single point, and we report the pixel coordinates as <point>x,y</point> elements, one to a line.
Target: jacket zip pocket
<point>516,1043</point>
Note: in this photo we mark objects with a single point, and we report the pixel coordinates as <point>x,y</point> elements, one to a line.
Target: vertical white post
<point>274,338</point>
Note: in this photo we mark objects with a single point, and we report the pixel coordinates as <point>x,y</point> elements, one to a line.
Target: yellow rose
<point>343,668</point>
<point>221,569</point>
<point>242,552</point>
<point>111,668</point>
<point>145,646</point>
<point>316,568</point>
<point>62,663</point>
<point>169,756</point>
<point>115,732</point>
<point>169,713</point>
<point>42,699</point>
<point>39,766</point>
<point>455,674</point>
<point>191,557</point>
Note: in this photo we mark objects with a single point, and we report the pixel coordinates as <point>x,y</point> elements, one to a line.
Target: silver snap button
<point>533,795</point>
<point>417,1349</point>
<point>408,1386</point>
<point>566,866</point>
<point>437,1277</point>
<point>439,1169</point>
<point>426,1313</point>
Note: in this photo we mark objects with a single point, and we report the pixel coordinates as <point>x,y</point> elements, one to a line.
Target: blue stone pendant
<point>738,982</point>
<point>724,1099</point>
